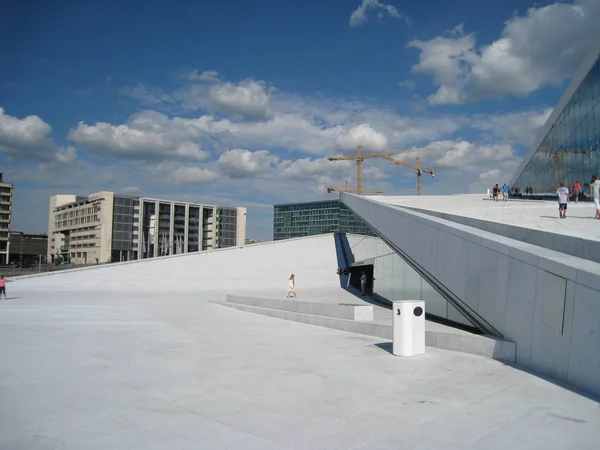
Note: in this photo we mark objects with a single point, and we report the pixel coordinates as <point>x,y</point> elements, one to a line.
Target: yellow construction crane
<point>353,191</point>
<point>359,158</point>
<point>417,167</point>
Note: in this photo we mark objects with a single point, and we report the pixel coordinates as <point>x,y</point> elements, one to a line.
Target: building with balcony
<point>294,220</point>
<point>107,227</point>
<point>6,195</point>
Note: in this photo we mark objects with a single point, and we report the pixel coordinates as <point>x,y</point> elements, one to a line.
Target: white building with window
<point>106,227</point>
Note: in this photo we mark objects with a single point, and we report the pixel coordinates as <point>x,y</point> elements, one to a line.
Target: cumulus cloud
<point>239,163</point>
<point>207,75</point>
<point>363,135</point>
<point>361,14</point>
<point>461,153</point>
<point>248,99</point>
<point>28,139</point>
<point>146,136</point>
<point>529,54</point>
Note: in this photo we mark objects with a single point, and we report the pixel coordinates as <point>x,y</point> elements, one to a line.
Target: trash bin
<point>409,327</point>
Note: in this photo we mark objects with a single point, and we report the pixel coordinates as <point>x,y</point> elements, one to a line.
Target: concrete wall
<point>240,232</point>
<point>259,267</point>
<point>545,301</point>
<point>574,246</point>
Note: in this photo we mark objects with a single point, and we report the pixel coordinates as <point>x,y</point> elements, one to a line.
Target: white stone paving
<point>169,370</point>
<point>536,215</point>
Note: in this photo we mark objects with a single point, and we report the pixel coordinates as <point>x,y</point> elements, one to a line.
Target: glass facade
<point>569,152</point>
<point>122,239</point>
<point>394,279</point>
<point>308,219</point>
<point>227,227</point>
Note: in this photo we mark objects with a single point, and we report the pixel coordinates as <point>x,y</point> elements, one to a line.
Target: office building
<point>6,195</point>
<point>293,220</point>
<point>27,248</point>
<point>107,227</point>
<point>566,149</point>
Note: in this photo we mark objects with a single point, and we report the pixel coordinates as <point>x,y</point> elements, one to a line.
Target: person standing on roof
<point>505,192</point>
<point>576,191</point>
<point>495,192</point>
<point>563,199</point>
<point>595,193</point>
<point>291,290</point>
<point>3,282</point>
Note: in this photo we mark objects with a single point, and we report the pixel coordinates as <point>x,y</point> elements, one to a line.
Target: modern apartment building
<point>6,194</point>
<point>293,220</point>
<point>107,227</point>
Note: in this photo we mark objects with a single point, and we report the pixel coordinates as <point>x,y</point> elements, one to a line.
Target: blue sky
<point>240,103</point>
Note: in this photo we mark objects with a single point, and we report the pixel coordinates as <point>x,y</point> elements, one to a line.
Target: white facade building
<point>106,227</point>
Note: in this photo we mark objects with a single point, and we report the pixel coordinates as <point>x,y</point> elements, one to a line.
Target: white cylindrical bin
<point>409,327</point>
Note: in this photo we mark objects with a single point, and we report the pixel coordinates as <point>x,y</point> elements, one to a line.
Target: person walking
<point>576,191</point>
<point>495,190</point>
<point>563,199</point>
<point>291,290</point>
<point>363,283</point>
<point>595,193</point>
<point>3,282</point>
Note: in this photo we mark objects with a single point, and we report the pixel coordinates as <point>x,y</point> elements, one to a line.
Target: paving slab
<point>162,370</point>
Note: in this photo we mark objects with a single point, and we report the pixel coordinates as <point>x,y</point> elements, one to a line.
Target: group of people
<point>497,190</point>
<point>564,196</point>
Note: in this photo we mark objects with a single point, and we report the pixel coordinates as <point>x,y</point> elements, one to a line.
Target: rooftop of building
<point>315,202</point>
<point>146,360</point>
<point>531,214</point>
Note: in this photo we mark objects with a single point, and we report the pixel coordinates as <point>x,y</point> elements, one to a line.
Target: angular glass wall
<point>569,152</point>
<point>394,279</point>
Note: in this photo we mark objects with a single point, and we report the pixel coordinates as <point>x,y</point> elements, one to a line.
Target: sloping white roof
<point>256,267</point>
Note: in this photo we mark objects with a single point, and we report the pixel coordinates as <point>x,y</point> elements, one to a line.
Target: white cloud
<point>28,139</point>
<point>465,154</point>
<point>490,175</point>
<point>521,127</point>
<point>239,163</point>
<point>542,47</point>
<point>361,14</point>
<point>147,135</point>
<point>363,135</point>
<point>207,75</point>
<point>248,99</point>
<point>193,176</point>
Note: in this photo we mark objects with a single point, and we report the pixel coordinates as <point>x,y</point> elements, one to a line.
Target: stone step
<point>348,311</point>
<point>474,344</point>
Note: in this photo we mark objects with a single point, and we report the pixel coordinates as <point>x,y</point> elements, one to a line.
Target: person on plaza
<point>291,290</point>
<point>505,192</point>
<point>595,193</point>
<point>3,282</point>
<point>495,192</point>
<point>363,283</point>
<point>563,199</point>
<point>576,191</point>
